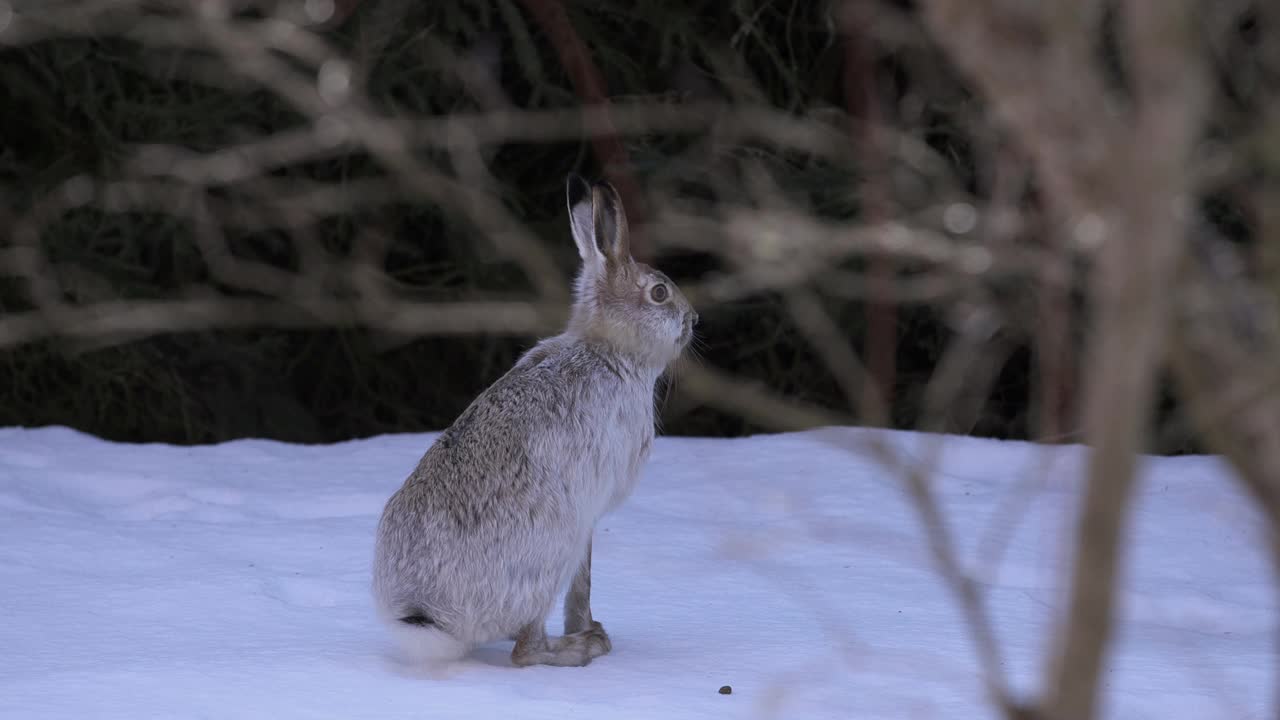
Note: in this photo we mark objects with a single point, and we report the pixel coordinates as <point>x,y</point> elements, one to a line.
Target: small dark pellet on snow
<point>725,690</point>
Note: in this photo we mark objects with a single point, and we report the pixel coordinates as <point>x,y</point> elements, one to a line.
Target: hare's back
<point>492,448</point>
<point>546,430</point>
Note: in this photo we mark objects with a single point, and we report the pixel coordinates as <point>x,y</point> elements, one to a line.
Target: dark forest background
<point>78,105</point>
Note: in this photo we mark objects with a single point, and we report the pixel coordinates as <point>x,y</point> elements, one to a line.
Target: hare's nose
<point>693,318</point>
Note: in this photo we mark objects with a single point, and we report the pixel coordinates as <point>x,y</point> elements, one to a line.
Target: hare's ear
<point>598,223</point>
<point>610,224</point>
<point>579,195</point>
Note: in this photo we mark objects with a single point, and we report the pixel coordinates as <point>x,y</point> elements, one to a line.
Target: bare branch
<point>1033,62</point>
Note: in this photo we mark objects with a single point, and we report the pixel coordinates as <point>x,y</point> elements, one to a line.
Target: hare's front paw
<point>596,640</point>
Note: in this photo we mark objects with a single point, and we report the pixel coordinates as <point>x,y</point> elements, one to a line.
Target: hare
<point>496,520</point>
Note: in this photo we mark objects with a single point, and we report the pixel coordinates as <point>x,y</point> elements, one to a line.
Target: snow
<point>232,581</point>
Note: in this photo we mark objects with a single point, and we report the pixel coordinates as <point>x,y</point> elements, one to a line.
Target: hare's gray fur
<point>496,520</point>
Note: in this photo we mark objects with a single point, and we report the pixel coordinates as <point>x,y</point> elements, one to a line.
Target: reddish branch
<point>1053,345</point>
<point>342,9</point>
<point>590,86</point>
<point>587,81</point>
<point>860,95</point>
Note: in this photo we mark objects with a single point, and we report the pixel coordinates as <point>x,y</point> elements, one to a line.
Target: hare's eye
<point>659,293</point>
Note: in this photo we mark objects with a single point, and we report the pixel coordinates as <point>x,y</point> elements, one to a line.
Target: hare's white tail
<point>425,644</point>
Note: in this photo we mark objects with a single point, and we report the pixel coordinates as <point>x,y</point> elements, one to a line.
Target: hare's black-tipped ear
<point>598,222</point>
<point>609,221</point>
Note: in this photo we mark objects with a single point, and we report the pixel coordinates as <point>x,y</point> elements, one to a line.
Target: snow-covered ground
<point>231,581</point>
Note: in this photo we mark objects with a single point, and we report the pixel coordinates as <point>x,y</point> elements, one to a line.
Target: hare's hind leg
<point>533,647</point>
